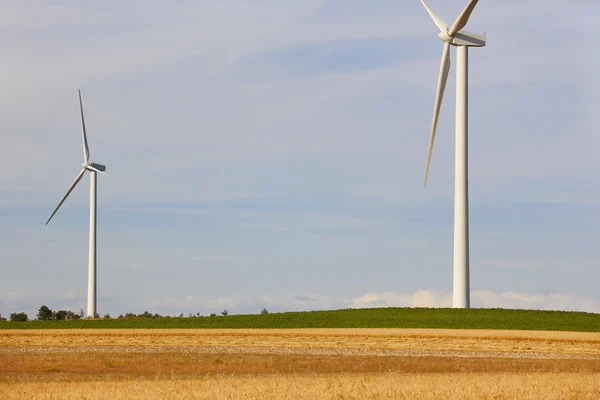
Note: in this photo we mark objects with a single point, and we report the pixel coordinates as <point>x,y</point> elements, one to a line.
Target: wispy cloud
<point>254,303</point>
<point>421,298</point>
<point>209,258</point>
<point>18,302</point>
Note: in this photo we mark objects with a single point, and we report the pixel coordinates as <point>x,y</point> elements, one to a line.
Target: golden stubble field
<point>298,363</point>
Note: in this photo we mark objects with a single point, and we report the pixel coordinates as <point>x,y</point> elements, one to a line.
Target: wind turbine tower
<point>93,169</point>
<point>462,40</point>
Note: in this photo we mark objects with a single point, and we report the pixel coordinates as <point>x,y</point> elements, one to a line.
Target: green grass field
<point>361,318</point>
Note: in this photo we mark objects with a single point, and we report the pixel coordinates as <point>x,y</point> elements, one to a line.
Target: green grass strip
<point>350,318</point>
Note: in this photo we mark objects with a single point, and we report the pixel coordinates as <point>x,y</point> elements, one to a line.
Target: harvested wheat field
<point>298,363</point>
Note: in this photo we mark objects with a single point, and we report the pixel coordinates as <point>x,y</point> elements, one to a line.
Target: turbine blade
<point>463,18</point>
<point>97,170</point>
<point>68,193</point>
<point>444,70</point>
<point>441,24</point>
<point>86,149</point>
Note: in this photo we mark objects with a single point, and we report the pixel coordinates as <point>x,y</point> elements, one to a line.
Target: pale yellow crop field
<point>340,386</point>
<point>299,363</point>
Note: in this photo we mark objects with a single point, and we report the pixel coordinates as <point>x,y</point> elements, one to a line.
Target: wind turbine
<point>93,169</point>
<point>462,40</point>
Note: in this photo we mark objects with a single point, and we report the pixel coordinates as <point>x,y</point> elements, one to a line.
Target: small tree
<point>213,314</point>
<point>81,313</point>
<point>44,313</point>
<point>2,318</point>
<point>72,316</point>
<point>107,316</point>
<point>60,315</point>
<point>96,315</point>
<point>20,317</point>
<point>224,312</point>
<point>264,311</point>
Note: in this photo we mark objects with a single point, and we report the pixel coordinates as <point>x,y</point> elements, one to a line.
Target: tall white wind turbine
<point>93,169</point>
<point>462,40</point>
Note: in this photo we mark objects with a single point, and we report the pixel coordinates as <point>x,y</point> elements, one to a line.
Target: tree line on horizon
<point>46,314</point>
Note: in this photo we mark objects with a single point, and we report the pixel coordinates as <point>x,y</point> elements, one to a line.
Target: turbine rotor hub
<point>444,37</point>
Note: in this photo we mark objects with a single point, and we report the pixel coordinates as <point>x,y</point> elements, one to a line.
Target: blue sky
<point>271,154</point>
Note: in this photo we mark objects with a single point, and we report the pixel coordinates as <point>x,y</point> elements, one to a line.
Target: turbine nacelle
<point>464,38</point>
<point>94,167</point>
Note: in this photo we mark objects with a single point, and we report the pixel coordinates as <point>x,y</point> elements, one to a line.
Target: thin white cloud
<point>18,302</point>
<point>69,295</point>
<point>421,298</point>
<point>535,301</point>
<point>12,296</point>
<point>244,304</point>
<point>209,258</point>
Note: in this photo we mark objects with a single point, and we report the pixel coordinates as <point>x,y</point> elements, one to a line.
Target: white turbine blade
<point>97,170</point>
<point>68,193</point>
<point>441,24</point>
<point>463,18</point>
<point>86,149</point>
<point>444,70</point>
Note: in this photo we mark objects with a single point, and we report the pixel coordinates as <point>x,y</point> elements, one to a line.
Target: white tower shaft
<point>91,304</point>
<point>461,289</point>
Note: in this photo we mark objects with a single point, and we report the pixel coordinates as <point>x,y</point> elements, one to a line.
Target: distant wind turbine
<point>462,40</point>
<point>93,169</point>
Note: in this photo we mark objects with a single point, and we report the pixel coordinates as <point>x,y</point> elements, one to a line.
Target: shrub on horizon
<point>60,315</point>
<point>19,317</point>
<point>44,313</point>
